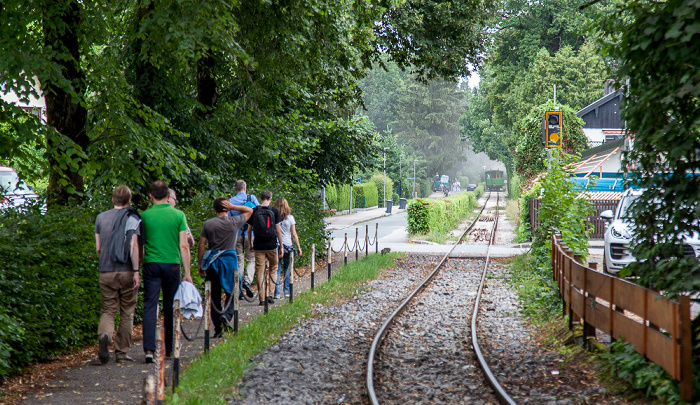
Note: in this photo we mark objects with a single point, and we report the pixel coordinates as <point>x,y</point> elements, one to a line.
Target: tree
<point>530,155</point>
<point>656,48</point>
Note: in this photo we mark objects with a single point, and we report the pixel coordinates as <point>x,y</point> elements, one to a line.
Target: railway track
<point>427,350</point>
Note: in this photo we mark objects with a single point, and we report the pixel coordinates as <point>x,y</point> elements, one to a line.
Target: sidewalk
<point>345,220</point>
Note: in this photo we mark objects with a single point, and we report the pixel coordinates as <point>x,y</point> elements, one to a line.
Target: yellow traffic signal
<point>553,129</point>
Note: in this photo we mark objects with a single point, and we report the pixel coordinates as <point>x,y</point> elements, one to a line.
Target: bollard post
<point>345,250</point>
<point>160,365</point>
<point>330,250</point>
<point>366,240</point>
<point>357,245</point>
<point>207,311</point>
<point>376,238</point>
<point>313,264</point>
<point>291,278</point>
<point>176,349</point>
<point>149,390</point>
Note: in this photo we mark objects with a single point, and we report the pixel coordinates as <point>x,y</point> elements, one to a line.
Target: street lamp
<point>414,177</point>
<point>385,149</point>
<point>400,176</point>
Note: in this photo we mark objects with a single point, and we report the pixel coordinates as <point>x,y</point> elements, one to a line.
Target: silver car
<point>618,234</point>
<point>13,191</point>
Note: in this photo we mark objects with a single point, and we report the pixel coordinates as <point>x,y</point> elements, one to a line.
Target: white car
<point>618,234</point>
<point>13,191</point>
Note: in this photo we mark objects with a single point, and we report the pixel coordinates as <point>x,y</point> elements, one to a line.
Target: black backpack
<point>264,223</point>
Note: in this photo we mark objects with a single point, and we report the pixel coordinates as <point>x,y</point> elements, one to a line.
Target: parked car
<point>13,191</point>
<point>618,234</point>
<point>471,187</point>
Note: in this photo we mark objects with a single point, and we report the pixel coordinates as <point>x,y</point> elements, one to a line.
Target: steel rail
<point>379,337</point>
<point>501,393</point>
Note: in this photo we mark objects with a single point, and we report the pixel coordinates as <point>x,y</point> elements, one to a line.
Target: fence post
<point>313,264</point>
<point>686,350</point>
<point>357,245</point>
<point>176,349</point>
<point>376,238</point>
<point>207,312</point>
<point>330,250</point>
<point>291,278</point>
<point>149,390</point>
<point>366,240</point>
<point>160,364</point>
<point>345,250</point>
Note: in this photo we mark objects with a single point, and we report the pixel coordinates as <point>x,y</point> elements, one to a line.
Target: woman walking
<point>289,231</point>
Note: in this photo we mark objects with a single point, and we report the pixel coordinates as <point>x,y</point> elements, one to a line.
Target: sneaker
<point>270,300</point>
<point>122,357</point>
<point>149,357</point>
<point>286,295</point>
<point>104,349</point>
<point>277,296</point>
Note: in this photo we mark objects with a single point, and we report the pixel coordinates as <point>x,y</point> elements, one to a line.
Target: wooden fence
<point>595,219</point>
<point>659,329</point>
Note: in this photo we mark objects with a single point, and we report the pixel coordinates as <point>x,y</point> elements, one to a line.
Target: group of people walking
<point>246,234</point>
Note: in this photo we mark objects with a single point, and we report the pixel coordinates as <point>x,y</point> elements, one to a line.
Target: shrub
<point>365,195</point>
<point>378,179</point>
<point>438,215</point>
<point>49,283</point>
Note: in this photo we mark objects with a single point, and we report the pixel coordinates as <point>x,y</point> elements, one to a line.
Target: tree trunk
<point>61,25</point>
<point>207,90</point>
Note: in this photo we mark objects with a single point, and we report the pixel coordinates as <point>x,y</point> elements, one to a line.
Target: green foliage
<point>642,374</point>
<point>538,293</point>
<point>378,179</point>
<point>530,155</point>
<point>338,197</point>
<point>561,208</point>
<point>438,216</point>
<point>657,50</point>
<point>524,231</point>
<point>49,284</point>
<point>365,195</point>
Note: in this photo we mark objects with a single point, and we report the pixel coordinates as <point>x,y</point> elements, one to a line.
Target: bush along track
<point>439,216</point>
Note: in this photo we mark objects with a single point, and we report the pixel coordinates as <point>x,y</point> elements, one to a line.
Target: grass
<point>211,377</point>
<point>513,211</point>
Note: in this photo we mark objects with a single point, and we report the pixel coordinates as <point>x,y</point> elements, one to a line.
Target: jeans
<point>155,277</point>
<point>286,259</point>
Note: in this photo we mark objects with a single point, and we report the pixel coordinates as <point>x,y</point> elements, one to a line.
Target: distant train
<point>494,180</point>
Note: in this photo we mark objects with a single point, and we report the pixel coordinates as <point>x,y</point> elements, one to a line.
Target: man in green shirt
<point>165,230</point>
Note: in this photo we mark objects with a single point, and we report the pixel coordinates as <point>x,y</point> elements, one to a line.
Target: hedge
<point>365,195</point>
<point>378,179</point>
<point>439,215</point>
<point>49,284</point>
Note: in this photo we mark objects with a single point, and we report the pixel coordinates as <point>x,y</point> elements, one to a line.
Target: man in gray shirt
<point>219,264</point>
<point>117,236</point>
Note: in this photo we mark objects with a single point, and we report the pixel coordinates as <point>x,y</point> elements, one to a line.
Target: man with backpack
<point>117,235</point>
<point>242,243</point>
<point>265,236</point>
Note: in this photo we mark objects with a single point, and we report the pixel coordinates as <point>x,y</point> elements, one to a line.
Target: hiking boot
<point>104,349</point>
<point>261,303</point>
<point>270,300</point>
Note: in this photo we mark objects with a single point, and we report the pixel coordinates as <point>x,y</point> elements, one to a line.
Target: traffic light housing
<point>553,129</point>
